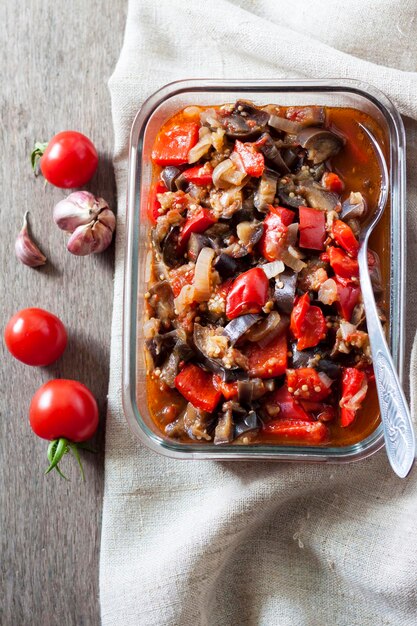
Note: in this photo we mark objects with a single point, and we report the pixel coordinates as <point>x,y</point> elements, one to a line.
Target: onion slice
<point>328,291</point>
<point>273,269</point>
<point>287,126</point>
<point>202,275</point>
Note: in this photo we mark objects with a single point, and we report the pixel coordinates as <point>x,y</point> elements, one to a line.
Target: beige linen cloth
<point>187,543</point>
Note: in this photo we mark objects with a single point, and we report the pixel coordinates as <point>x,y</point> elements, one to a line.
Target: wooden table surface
<point>56,58</point>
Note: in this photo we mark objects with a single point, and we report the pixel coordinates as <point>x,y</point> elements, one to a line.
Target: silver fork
<point>395,415</point>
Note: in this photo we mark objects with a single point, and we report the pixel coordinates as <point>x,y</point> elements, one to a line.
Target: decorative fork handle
<point>395,415</point>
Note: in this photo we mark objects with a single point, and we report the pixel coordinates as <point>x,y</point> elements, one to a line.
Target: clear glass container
<point>155,111</point>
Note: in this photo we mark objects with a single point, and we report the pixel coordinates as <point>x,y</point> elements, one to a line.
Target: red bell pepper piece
<point>348,298</point>
<point>198,223</point>
<point>354,385</point>
<point>299,431</point>
<point>342,265</point>
<point>307,323</point>
<point>248,293</point>
<point>273,240</point>
<point>306,384</point>
<point>199,175</point>
<point>173,144</point>
<point>344,237</point>
<point>253,162</point>
<point>229,390</point>
<point>269,361</point>
<point>153,203</point>
<point>332,182</point>
<point>289,408</point>
<point>312,228</point>
<point>197,387</point>
<point>286,215</point>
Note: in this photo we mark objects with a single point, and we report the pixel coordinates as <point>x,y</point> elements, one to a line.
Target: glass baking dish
<point>153,113</point>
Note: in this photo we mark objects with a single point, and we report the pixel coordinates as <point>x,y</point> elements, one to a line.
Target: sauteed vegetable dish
<point>255,329</point>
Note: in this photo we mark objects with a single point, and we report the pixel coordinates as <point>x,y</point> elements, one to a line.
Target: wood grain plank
<point>56,58</point>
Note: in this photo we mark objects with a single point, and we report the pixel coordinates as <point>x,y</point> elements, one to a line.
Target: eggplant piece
<point>196,243</point>
<point>321,144</point>
<point>236,125</point>
<point>162,301</point>
<point>250,233</point>
<point>224,432</point>
<point>273,155</point>
<point>267,190</point>
<point>169,247</point>
<point>329,367</point>
<point>354,206</point>
<point>159,346</point>
<point>193,422</point>
<point>239,326</point>
<point>201,336</point>
<point>253,389</point>
<point>290,156</point>
<point>180,352</point>
<point>246,423</point>
<point>284,293</point>
<point>169,175</point>
<point>226,265</point>
<point>289,196</point>
<point>319,198</point>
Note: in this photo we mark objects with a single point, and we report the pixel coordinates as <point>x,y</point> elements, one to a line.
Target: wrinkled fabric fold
<point>187,543</point>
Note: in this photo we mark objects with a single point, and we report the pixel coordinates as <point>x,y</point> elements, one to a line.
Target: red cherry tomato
<point>35,337</point>
<point>70,160</point>
<point>64,409</point>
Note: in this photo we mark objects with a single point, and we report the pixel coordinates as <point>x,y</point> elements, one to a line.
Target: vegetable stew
<point>254,326</point>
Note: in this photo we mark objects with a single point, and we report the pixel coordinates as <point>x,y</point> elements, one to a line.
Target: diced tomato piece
<point>297,430</point>
<point>289,408</point>
<point>173,144</point>
<point>298,314</point>
<point>332,182</point>
<point>229,390</point>
<point>342,264</point>
<point>179,277</point>
<point>199,175</point>
<point>344,237</point>
<point>312,228</point>
<point>307,323</point>
<point>306,384</point>
<point>197,387</point>
<point>270,361</point>
<point>286,215</point>
<point>354,386</point>
<point>273,241</point>
<point>248,293</point>
<point>153,203</point>
<point>348,297</point>
<point>198,223</point>
<point>253,162</point>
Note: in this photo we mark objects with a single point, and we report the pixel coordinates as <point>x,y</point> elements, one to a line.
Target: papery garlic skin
<point>26,250</point>
<point>80,207</point>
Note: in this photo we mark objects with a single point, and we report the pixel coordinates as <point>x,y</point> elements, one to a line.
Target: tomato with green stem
<point>68,160</point>
<point>65,412</point>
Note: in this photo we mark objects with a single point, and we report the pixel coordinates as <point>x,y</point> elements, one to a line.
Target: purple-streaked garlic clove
<point>26,250</point>
<point>90,238</point>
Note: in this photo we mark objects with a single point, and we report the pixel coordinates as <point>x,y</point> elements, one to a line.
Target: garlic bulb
<point>26,250</point>
<point>89,220</point>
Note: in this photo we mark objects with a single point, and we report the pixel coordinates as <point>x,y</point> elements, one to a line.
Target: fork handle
<point>395,415</point>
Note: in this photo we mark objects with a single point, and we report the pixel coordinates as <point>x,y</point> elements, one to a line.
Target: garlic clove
<point>26,250</point>
<point>90,238</point>
<point>77,209</point>
<point>108,218</point>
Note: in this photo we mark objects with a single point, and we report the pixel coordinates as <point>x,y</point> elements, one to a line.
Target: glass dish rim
<point>173,449</point>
